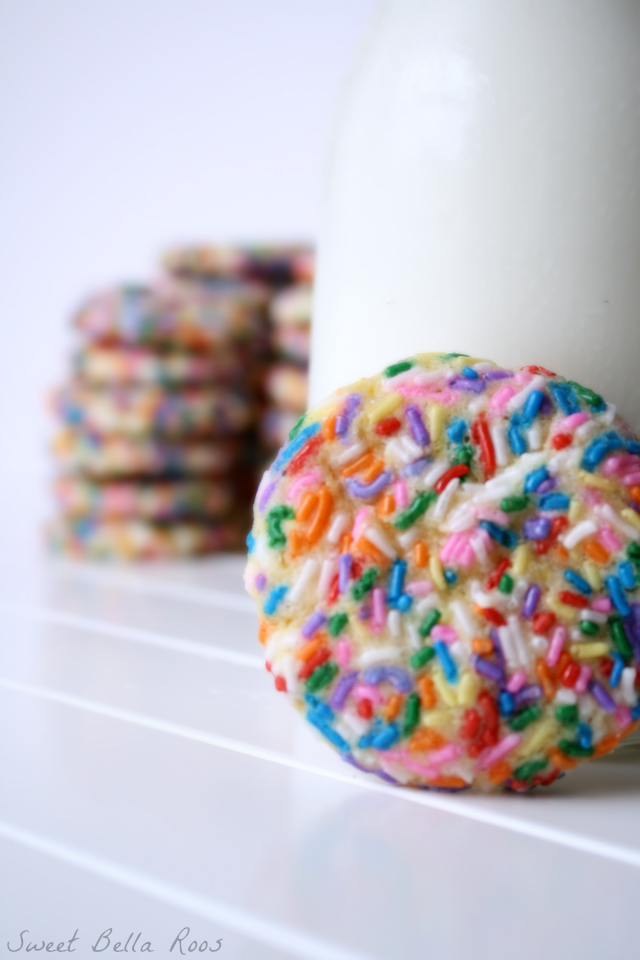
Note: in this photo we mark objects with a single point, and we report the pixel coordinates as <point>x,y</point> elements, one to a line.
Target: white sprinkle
<point>534,437</point>
<point>425,377</point>
<point>444,500</point>
<point>350,453</point>
<point>479,548</point>
<point>518,639</point>
<point>433,474</point>
<point>484,366</point>
<point>413,451</point>
<point>565,460</point>
<point>461,519</point>
<point>393,622</point>
<point>587,706</point>
<point>576,635</point>
<point>408,538</point>
<point>478,404</point>
<point>463,619</point>
<point>397,451</point>
<point>609,415</point>
<point>506,642</point>
<point>338,527</point>
<point>427,603</point>
<point>327,573</point>
<point>306,575</point>
<point>289,671</point>
<point>606,512</point>
<point>519,399</point>
<point>539,644</point>
<point>581,530</point>
<point>500,445</point>
<point>378,539</point>
<point>377,655</point>
<point>353,720</point>
<point>518,593</point>
<point>593,615</point>
<point>584,431</point>
<point>565,697</point>
<point>484,599</point>
<point>627,686</point>
<point>415,640</point>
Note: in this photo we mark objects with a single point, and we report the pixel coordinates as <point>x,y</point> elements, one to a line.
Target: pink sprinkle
<point>450,547</point>
<point>501,749</point>
<point>609,540</point>
<point>445,754</point>
<point>501,398</point>
<point>442,632</point>
<point>620,463</point>
<point>306,480</point>
<point>360,522</point>
<point>343,652</point>
<point>558,638</point>
<point>583,679</point>
<point>622,716</point>
<point>523,377</point>
<point>631,479</point>
<point>590,496</point>
<point>466,557</point>
<point>444,397</point>
<point>489,513</point>
<point>517,681</point>
<point>400,494</point>
<point>601,604</point>
<point>378,612</point>
<point>419,588</point>
<point>364,691</point>
<point>571,422</point>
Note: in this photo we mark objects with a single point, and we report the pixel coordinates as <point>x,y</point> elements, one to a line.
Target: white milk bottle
<point>483,193</point>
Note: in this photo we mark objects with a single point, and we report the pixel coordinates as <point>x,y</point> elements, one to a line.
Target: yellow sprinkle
<point>436,421</point>
<point>561,609</point>
<point>435,569</point>
<point>593,480</point>
<point>520,560</point>
<point>585,651</point>
<point>591,573</point>
<point>446,692</point>
<point>631,517</point>
<point>459,362</point>
<point>384,407</point>
<point>575,510</point>
<point>468,688</point>
<point>436,719</point>
<point>544,731</point>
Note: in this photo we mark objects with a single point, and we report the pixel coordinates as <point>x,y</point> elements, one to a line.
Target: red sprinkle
<point>310,448</point>
<point>561,440</point>
<point>480,435</point>
<point>543,546</point>
<point>493,616</point>
<point>461,470</point>
<point>316,660</point>
<point>470,724</point>
<point>573,599</point>
<point>365,710</point>
<point>494,578</point>
<point>332,596</point>
<point>570,674</point>
<point>558,525</point>
<point>534,369</point>
<point>606,666</point>
<point>543,622</point>
<point>267,666</point>
<point>387,427</point>
<point>281,684</point>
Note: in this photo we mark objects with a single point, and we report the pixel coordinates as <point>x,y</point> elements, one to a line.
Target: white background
<point>130,125</point>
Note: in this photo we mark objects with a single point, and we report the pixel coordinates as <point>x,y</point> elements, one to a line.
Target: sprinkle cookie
<point>142,540</point>
<point>446,561</point>
<point>123,366</point>
<point>151,500</point>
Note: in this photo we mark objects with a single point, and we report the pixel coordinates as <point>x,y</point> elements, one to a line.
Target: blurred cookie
<point>274,264</point>
<point>143,540</point>
<point>147,500</point>
<point>287,387</point>
<point>275,426</point>
<point>117,365</point>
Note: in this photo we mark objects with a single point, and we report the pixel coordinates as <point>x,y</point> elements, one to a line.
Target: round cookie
<point>152,500</point>
<point>115,365</point>
<point>116,456</point>
<point>140,410</point>
<point>446,561</point>
<point>142,540</point>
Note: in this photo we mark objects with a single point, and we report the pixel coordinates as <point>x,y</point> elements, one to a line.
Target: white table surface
<point>152,779</point>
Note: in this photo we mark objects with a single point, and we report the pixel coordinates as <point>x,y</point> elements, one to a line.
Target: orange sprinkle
<point>499,772</point>
<point>370,474</point>
<point>560,760</point>
<point>482,645</point>
<point>420,554</point>
<point>542,673</point>
<point>345,542</point>
<point>426,739</point>
<point>307,506</point>
<point>371,551</point>
<point>297,542</point>
<point>450,782</point>
<point>264,631</point>
<point>365,460</point>
<point>607,744</point>
<point>307,650</point>
<point>561,552</point>
<point>427,692</point>
<point>386,505</point>
<point>329,427</point>
<point>634,492</point>
<point>596,551</point>
<point>391,708</point>
<point>322,514</point>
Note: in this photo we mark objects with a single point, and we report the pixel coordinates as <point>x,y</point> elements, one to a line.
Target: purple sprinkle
<point>364,612</point>
<point>260,581</point>
<point>416,468</point>
<point>373,676</point>
<point>344,571</point>
<point>367,490</point>
<point>546,407</point>
<point>537,529</point>
<point>527,694</point>
<point>531,600</point>
<point>418,429</point>
<point>343,687</point>
<point>470,386</point>
<point>497,375</point>
<point>599,693</point>
<point>632,630</point>
<point>396,676</point>
<point>547,486</point>
<point>265,495</point>
<point>497,646</point>
<point>487,669</point>
<point>315,621</point>
<point>379,773</point>
<point>342,425</point>
<point>352,404</point>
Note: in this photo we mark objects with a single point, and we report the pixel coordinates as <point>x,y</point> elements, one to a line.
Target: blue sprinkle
<point>635,713</point>
<point>627,575</point>
<point>533,480</point>
<point>287,453</point>
<point>251,542</point>
<point>332,735</point>
<point>416,468</point>
<point>554,501</point>
<point>633,446</point>
<point>532,406</point>
<point>577,581</point>
<point>446,661</point>
<point>617,596</point>
<point>469,373</point>
<point>274,599</point>
<point>565,397</point>
<point>516,440</point>
<point>584,735</point>
<point>397,579</point>
<point>505,704</point>
<point>616,672</point>
<point>404,602</point>
<point>386,737</point>
<point>450,576</point>
<point>599,448</point>
<point>366,739</point>
<point>457,430</point>
<point>503,536</point>
<point>319,706</point>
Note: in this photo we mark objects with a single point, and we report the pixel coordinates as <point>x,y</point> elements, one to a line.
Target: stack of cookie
<point>157,440</point>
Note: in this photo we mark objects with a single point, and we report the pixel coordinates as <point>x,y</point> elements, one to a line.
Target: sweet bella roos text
<point>104,943</point>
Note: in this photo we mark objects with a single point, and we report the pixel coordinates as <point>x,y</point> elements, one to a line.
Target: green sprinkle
<point>528,770</point>
<point>296,428</point>
<point>276,537</point>
<point>589,396</point>
<point>567,714</point>
<point>337,623</point>
<point>364,584</point>
<point>429,623</point>
<point>619,637</point>
<point>412,714</point>
<point>512,504</point>
<point>573,749</point>
<point>633,551</point>
<point>464,454</point>
<point>421,504</point>
<point>397,368</point>
<point>525,717</point>
<point>589,627</point>
<point>506,583</point>
<point>422,657</point>
<point>452,356</point>
<point>322,677</point>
